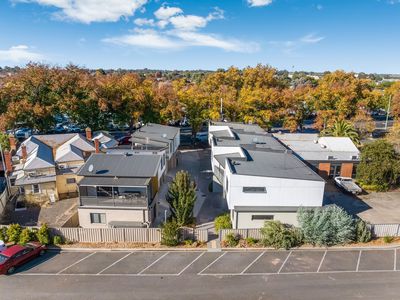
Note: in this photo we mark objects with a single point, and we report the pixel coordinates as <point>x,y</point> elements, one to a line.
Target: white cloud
<point>311,38</point>
<point>20,53</point>
<point>256,3</point>
<point>144,22</point>
<point>175,30</point>
<point>146,39</point>
<point>87,11</point>
<point>166,12</point>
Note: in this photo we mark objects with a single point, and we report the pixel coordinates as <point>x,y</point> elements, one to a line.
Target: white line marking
<point>284,262</point>
<point>114,263</point>
<point>395,260</point>
<point>77,262</point>
<point>322,260</point>
<point>210,264</point>
<point>185,268</point>
<point>358,261</point>
<point>153,263</point>
<point>257,258</point>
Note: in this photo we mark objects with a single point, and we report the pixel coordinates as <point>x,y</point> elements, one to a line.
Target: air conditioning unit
<point>330,157</point>
<point>354,157</point>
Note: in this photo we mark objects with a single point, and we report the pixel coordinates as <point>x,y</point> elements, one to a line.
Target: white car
<point>348,184</point>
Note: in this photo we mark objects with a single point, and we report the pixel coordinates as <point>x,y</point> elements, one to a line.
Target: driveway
<point>208,205</point>
<point>375,208</point>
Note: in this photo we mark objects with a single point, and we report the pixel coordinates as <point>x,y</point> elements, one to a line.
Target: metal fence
<point>123,235</point>
<point>378,230</point>
<point>3,201</point>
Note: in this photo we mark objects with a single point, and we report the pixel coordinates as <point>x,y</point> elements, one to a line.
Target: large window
<point>35,188</point>
<point>97,218</point>
<point>254,189</point>
<point>262,217</point>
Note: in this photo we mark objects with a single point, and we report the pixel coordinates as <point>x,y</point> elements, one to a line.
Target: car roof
<point>12,250</point>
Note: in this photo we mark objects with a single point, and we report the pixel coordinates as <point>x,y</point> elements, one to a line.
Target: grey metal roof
<point>35,179</point>
<point>251,128</point>
<point>154,140</point>
<point>267,163</point>
<point>111,181</point>
<point>221,133</point>
<point>111,165</point>
<point>221,157</point>
<point>159,130</point>
<point>261,140</point>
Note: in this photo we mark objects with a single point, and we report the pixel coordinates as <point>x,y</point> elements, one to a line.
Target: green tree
<point>170,233</point>
<point>342,128</point>
<point>326,226</point>
<point>363,232</point>
<point>222,222</point>
<point>379,165</point>
<point>181,198</point>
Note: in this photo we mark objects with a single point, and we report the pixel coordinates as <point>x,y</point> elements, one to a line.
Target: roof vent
<point>315,141</point>
<point>164,135</point>
<point>354,157</point>
<point>323,146</point>
<point>331,157</point>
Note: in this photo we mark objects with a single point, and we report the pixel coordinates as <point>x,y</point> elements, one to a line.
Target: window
<point>71,180</point>
<point>254,189</point>
<point>96,218</point>
<point>35,188</point>
<point>262,217</point>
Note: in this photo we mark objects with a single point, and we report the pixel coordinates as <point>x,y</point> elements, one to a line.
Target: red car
<point>125,140</point>
<point>17,255</point>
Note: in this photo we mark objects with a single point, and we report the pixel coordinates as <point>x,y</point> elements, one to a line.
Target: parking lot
<point>202,263</point>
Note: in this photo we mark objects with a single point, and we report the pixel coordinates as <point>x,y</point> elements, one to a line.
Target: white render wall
<point>280,191</point>
<point>124,215</point>
<point>244,219</point>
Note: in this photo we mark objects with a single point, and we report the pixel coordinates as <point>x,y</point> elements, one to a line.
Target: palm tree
<point>343,129</point>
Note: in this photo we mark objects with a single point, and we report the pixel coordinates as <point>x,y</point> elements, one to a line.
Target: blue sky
<point>311,35</point>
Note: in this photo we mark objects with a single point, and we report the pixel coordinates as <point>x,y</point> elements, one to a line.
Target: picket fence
<point>378,230</point>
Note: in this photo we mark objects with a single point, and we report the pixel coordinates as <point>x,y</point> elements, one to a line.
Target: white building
<point>260,178</point>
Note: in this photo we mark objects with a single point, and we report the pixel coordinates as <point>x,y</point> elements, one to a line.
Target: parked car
<point>17,255</point>
<point>202,136</point>
<point>59,129</point>
<point>348,185</point>
<point>23,133</point>
<point>125,140</point>
<point>73,128</point>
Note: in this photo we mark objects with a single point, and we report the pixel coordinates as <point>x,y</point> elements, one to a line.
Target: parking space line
<point>77,262</point>
<point>322,260</point>
<point>395,260</point>
<point>284,262</point>
<point>213,262</point>
<point>185,268</point>
<point>358,261</point>
<point>257,258</point>
<point>114,263</point>
<point>153,263</point>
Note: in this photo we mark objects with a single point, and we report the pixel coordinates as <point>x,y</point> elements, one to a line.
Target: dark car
<point>17,255</point>
<point>125,140</point>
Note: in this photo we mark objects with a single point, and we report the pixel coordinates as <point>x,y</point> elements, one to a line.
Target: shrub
<point>388,239</point>
<point>232,240</point>
<point>278,235</point>
<point>188,242</point>
<point>170,233</point>
<point>363,232</point>
<point>326,226</point>
<point>3,234</point>
<point>13,232</point>
<point>43,235</point>
<point>26,236</point>
<point>57,240</point>
<point>251,241</point>
<point>222,222</point>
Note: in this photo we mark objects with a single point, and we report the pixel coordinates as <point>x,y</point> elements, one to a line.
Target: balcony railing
<point>118,201</point>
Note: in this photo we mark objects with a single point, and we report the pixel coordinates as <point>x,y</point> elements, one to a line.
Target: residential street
<point>297,274</point>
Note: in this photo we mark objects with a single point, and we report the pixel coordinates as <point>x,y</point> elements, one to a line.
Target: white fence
<point>378,230</point>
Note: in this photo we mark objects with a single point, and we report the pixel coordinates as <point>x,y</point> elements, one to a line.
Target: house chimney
<point>8,162</point>
<point>97,145</point>
<point>88,133</point>
<point>13,143</point>
<point>24,152</point>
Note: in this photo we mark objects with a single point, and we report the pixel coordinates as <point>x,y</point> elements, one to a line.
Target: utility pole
<point>387,112</point>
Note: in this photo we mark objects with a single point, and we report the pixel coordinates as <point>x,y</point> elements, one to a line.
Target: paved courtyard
<point>203,263</point>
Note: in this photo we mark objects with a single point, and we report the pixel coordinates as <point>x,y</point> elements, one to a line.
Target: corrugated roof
<point>114,181</point>
<point>68,152</point>
<point>160,130</point>
<point>110,165</point>
<point>106,141</point>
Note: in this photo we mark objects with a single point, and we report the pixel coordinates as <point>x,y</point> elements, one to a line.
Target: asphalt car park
<point>203,263</point>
